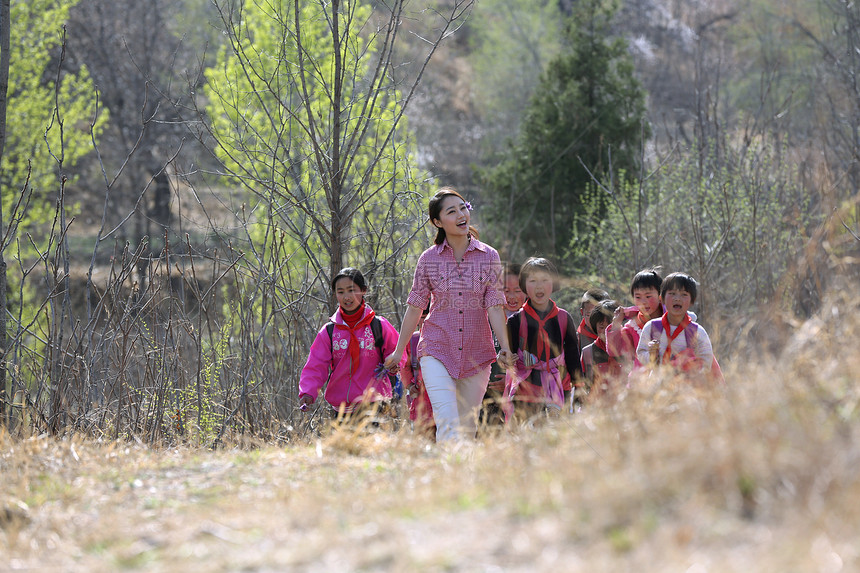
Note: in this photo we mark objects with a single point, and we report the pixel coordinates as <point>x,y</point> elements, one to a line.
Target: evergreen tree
<point>586,117</point>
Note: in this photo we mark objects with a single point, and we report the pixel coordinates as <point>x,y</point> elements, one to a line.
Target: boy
<point>622,336</point>
<point>544,339</point>
<point>674,339</point>
<point>589,299</point>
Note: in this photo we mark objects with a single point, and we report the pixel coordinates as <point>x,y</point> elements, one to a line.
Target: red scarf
<point>354,322</point>
<point>667,328</point>
<point>352,318</point>
<point>601,344</point>
<point>544,347</point>
<point>585,330</point>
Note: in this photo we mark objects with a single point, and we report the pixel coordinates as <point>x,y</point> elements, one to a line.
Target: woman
<point>461,279</point>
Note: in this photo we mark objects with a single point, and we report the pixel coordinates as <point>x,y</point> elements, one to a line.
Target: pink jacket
<point>621,344</point>
<point>328,360</point>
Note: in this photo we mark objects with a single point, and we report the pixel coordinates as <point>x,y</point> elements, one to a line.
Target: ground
<point>664,479</point>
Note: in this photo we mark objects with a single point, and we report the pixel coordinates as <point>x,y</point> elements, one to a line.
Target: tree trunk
<point>5,35</point>
<point>340,221</point>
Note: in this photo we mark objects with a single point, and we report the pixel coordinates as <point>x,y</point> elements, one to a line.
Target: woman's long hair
<point>434,209</point>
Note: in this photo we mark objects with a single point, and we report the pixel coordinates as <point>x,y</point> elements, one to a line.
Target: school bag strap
<point>562,323</point>
<point>413,353</point>
<point>689,332</point>
<point>375,327</point>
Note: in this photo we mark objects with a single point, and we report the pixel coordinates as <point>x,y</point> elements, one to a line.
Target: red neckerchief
<point>601,344</point>
<point>667,328</point>
<point>354,348</point>
<point>585,330</point>
<point>352,318</point>
<point>543,344</point>
<point>642,319</point>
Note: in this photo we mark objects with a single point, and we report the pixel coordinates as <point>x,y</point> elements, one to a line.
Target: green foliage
<point>50,126</point>
<point>307,118</point>
<point>587,117</point>
<point>48,119</point>
<point>202,406</point>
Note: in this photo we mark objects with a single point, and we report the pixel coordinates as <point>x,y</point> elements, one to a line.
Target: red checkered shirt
<point>457,332</point>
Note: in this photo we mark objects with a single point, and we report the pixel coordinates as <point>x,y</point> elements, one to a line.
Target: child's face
<point>647,299</point>
<point>539,289</point>
<point>677,303</point>
<point>514,295</point>
<point>601,329</point>
<point>586,308</point>
<point>348,295</point>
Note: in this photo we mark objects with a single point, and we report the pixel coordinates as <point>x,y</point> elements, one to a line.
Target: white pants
<point>456,402</point>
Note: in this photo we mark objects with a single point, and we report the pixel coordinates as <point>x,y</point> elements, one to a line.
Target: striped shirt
<point>457,332</point>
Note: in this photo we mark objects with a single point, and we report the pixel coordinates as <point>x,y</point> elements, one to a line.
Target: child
<point>598,367</point>
<point>514,295</point>
<point>348,351</point>
<point>622,336</point>
<point>420,409</point>
<point>674,339</point>
<point>491,410</point>
<point>589,299</point>
<point>544,339</point>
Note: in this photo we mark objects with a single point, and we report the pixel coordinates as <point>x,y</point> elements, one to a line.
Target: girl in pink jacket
<point>348,351</point>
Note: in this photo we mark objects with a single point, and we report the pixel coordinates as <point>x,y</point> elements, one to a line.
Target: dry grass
<point>760,475</point>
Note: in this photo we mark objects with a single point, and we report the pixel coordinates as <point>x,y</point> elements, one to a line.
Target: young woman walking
<point>461,279</point>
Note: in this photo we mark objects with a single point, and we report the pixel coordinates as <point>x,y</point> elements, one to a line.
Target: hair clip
<point>468,205</point>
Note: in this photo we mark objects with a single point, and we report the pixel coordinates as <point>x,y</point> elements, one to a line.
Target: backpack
<point>413,354</point>
<point>376,329</point>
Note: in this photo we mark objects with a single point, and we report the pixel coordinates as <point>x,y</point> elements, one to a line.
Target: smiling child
<point>544,339</point>
<point>674,339</point>
<point>347,352</point>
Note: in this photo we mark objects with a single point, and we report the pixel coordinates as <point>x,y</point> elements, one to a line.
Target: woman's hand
<point>506,359</point>
<point>392,362</point>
